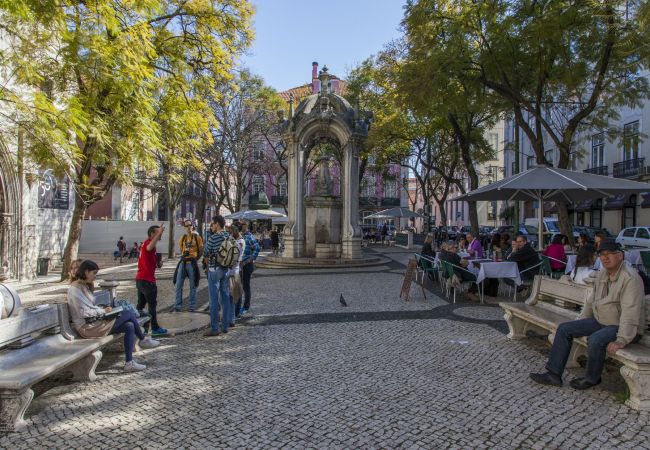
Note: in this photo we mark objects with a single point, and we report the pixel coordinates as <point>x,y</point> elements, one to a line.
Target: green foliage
<point>111,84</point>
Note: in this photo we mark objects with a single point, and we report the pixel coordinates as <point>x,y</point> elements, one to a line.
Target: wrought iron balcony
<point>631,168</point>
<point>600,170</point>
<point>368,201</point>
<point>279,199</point>
<point>390,201</point>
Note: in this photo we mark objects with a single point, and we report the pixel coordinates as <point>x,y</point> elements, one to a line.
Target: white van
<point>551,224</point>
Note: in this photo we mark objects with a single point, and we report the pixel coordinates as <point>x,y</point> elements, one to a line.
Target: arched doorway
<point>10,217</point>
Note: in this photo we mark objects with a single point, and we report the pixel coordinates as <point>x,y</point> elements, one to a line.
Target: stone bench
<point>32,348</point>
<point>553,302</point>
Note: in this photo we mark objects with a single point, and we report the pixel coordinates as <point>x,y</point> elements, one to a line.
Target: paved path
<point>304,372</point>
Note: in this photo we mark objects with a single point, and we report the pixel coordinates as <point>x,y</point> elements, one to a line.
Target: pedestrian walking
<point>275,241</point>
<point>145,278</point>
<point>121,249</point>
<point>219,255</point>
<point>236,290</point>
<point>191,246</point>
<point>251,251</point>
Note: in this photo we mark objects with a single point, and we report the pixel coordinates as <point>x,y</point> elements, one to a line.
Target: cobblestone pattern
<point>409,384</point>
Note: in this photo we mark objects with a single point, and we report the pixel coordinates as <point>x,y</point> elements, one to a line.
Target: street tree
<point>560,66</point>
<point>85,82</point>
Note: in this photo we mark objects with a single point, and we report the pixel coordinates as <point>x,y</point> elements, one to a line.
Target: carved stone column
<point>294,231</point>
<point>351,232</point>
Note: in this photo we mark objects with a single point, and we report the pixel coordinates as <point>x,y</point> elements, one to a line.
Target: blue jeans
<point>185,269</point>
<point>599,336</point>
<point>219,291</point>
<point>128,324</point>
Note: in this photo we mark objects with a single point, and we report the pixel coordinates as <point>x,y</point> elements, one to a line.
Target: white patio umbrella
<point>392,213</point>
<point>544,183</point>
<point>255,214</point>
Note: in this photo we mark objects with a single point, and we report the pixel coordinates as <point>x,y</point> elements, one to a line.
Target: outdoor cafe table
<point>491,269</point>
<point>632,257</point>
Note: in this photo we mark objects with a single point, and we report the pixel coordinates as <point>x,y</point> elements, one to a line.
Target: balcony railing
<point>368,201</point>
<point>600,170</point>
<point>631,168</point>
<point>390,201</point>
<point>279,199</point>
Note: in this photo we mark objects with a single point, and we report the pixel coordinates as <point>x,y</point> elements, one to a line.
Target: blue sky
<point>290,34</point>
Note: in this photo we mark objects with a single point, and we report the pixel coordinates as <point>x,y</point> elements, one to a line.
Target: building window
<point>258,184</point>
<point>631,140</point>
<point>282,186</point>
<point>597,214</point>
<point>598,150</point>
<point>390,189</point>
<point>258,151</point>
<point>548,154</point>
<point>493,141</point>
<point>530,162</point>
<point>629,213</point>
<point>368,188</point>
<point>573,158</point>
<point>492,210</point>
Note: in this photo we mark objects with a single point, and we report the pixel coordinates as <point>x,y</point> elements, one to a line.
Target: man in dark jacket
<point>525,256</point>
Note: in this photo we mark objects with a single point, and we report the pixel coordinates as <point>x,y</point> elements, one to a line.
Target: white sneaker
<point>147,342</point>
<point>133,366</point>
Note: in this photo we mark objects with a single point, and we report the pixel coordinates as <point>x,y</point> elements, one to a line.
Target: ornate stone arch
<point>10,215</point>
<point>324,116</point>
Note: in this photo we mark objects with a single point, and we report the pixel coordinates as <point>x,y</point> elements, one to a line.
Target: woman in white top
<point>584,264</point>
<point>235,281</point>
<point>88,318</point>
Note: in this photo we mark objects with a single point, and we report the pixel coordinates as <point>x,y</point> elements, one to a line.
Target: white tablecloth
<point>632,257</point>
<point>504,269</point>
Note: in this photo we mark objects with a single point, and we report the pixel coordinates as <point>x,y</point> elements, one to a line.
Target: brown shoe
<point>472,296</point>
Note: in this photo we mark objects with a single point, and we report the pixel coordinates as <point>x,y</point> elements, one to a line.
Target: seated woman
<point>427,247</point>
<point>556,254</point>
<point>581,241</point>
<point>506,245</point>
<point>584,267</point>
<point>566,244</point>
<point>462,244</point>
<point>88,321</point>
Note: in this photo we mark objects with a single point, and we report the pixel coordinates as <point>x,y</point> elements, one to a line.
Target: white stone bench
<point>553,302</point>
<point>32,348</point>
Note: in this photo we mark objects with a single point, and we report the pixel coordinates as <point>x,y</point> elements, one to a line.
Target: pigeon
<point>342,300</point>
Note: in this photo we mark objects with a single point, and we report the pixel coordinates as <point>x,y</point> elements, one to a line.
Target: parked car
<point>634,237</point>
<point>465,229</point>
<point>591,232</point>
<point>528,230</point>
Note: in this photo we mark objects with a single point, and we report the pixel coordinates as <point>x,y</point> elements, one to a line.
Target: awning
<point>615,202</point>
<point>584,205</point>
<point>646,200</point>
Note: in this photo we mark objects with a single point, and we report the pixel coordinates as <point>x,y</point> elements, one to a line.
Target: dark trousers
<point>128,324</point>
<point>148,295</point>
<point>246,273</point>
<point>599,336</point>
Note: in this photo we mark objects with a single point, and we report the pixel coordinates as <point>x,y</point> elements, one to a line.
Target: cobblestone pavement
<point>305,372</point>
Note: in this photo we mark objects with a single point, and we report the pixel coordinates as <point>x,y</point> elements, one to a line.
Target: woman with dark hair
<point>88,319</point>
<point>582,241</point>
<point>506,245</point>
<point>495,246</point>
<point>427,247</point>
<point>584,264</point>
<point>555,252</point>
<point>566,244</point>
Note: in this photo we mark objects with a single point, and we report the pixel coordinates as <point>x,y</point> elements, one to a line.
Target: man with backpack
<point>121,249</point>
<point>191,246</point>
<point>219,255</point>
<point>251,250</point>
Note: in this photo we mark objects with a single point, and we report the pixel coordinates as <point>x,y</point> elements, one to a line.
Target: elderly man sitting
<point>613,317</point>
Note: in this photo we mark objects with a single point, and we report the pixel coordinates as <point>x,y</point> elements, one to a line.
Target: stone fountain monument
<point>323,225</point>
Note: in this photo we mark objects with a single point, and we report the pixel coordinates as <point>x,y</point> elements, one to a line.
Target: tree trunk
<point>172,223</point>
<point>443,212</point>
<point>203,202</point>
<point>74,236</point>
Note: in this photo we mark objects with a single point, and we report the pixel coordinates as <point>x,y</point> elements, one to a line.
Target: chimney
<point>314,70</point>
<point>315,82</point>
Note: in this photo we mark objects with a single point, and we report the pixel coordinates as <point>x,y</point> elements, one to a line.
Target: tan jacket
<point>81,304</point>
<point>618,300</point>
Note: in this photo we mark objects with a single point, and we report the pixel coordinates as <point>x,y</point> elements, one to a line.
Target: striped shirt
<point>212,245</point>
<point>252,248</point>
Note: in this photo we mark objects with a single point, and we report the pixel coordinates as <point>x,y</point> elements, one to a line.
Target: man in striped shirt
<point>218,285</point>
<point>251,251</point>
